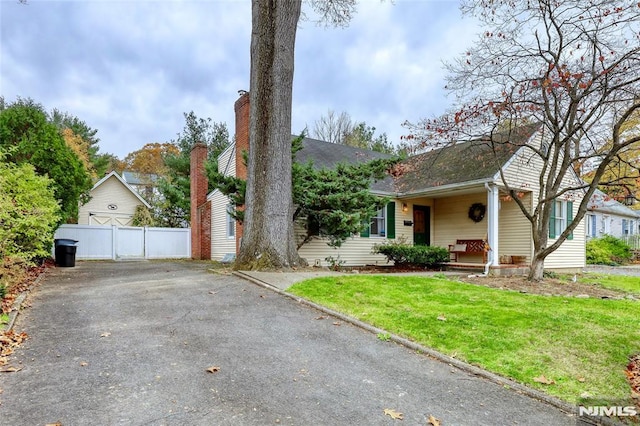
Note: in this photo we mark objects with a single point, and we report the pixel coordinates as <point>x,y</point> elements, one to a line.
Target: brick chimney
<point>200,209</point>
<point>241,108</point>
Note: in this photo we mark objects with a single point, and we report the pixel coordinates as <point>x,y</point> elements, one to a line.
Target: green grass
<point>581,344</point>
<point>616,282</point>
<point>4,319</point>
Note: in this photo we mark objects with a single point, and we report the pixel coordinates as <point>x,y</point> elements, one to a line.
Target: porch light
<point>405,207</point>
<point>629,199</point>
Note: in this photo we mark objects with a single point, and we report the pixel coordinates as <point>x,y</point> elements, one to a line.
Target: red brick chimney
<point>200,209</point>
<point>241,108</point>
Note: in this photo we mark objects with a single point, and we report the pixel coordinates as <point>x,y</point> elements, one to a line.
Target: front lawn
<point>616,282</point>
<point>582,345</point>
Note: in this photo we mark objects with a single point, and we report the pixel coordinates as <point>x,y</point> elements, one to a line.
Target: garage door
<point>110,219</point>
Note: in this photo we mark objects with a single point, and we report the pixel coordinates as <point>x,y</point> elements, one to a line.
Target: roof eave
<point>449,189</point>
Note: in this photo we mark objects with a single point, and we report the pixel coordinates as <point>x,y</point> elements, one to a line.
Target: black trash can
<point>65,252</point>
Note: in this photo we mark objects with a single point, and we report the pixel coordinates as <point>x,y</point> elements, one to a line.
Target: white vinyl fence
<point>127,242</point>
<point>632,240</point>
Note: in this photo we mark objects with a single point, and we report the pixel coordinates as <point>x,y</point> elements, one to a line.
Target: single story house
<point>451,197</point>
<point>606,216</point>
<point>113,202</point>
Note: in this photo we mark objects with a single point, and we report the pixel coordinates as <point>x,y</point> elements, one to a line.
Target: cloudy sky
<point>130,69</point>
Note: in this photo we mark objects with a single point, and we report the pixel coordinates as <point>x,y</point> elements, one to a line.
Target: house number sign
<point>112,207</point>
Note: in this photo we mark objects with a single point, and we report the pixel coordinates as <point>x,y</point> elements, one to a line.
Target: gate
<point>127,242</point>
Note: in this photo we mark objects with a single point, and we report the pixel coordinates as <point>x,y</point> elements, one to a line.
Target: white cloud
<point>132,68</point>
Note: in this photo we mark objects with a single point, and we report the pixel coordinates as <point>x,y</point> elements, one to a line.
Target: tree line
<point>50,160</point>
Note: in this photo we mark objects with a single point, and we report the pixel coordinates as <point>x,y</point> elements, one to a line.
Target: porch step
<point>463,265</point>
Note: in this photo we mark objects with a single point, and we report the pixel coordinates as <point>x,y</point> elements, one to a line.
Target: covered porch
<point>481,226</point>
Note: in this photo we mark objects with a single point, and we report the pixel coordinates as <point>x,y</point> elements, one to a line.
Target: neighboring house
<point>441,196</point>
<point>113,202</point>
<point>606,216</point>
<point>145,184</point>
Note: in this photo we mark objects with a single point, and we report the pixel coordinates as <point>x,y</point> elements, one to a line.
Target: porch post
<point>493,206</point>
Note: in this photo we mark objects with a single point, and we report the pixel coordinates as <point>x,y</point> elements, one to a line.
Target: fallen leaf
<point>393,414</point>
<point>54,424</point>
<point>212,292</point>
<point>544,380</point>
<point>337,323</point>
<point>441,317</point>
<point>582,379</point>
<point>213,369</point>
<point>105,334</point>
<point>321,317</point>
<point>84,364</point>
<point>10,369</point>
<point>433,421</point>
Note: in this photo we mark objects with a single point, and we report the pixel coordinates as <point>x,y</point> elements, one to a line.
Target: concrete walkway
<point>131,342</point>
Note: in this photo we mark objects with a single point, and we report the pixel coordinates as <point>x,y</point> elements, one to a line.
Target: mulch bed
<point>547,287</point>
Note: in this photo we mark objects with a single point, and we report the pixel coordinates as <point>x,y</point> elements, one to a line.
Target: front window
<point>592,225</point>
<point>231,222</point>
<point>560,217</point>
<point>378,224</point>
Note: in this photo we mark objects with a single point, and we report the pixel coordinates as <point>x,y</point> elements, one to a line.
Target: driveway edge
<point>17,304</point>
<point>570,409</point>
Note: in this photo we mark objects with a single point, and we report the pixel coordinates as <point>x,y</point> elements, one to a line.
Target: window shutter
<point>365,229</point>
<point>391,220</point>
<point>570,217</point>
<point>552,220</point>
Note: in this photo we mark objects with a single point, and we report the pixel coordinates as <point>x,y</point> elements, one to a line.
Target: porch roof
<point>462,164</point>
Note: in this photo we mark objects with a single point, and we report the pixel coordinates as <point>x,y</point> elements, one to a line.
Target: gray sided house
<point>606,216</point>
<point>451,197</point>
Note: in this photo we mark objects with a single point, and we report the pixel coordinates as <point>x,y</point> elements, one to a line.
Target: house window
<point>592,225</point>
<point>231,222</point>
<point>382,224</point>
<point>377,227</point>
<point>561,217</point>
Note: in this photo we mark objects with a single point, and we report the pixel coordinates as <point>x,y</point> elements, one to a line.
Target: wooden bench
<point>472,247</point>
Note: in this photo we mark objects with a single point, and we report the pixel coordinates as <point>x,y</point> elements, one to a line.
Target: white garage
<point>113,202</point>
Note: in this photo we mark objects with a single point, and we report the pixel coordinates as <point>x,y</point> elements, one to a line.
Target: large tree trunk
<point>268,240</point>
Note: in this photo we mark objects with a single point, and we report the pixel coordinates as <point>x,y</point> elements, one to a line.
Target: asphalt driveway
<point>130,342</point>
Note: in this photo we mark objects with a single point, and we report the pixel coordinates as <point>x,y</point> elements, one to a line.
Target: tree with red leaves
<point>571,65</point>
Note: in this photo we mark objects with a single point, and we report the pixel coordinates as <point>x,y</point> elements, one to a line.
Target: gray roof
<point>601,202</point>
<point>135,178</point>
<point>327,155</point>
<point>455,164</point>
<point>462,162</point>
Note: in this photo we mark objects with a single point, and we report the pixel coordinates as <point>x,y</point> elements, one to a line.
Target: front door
<point>421,229</point>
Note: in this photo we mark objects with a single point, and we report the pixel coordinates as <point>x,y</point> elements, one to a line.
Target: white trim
<point>493,207</point>
<point>126,185</point>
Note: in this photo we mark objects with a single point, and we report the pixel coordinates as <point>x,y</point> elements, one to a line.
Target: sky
<point>131,69</point>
